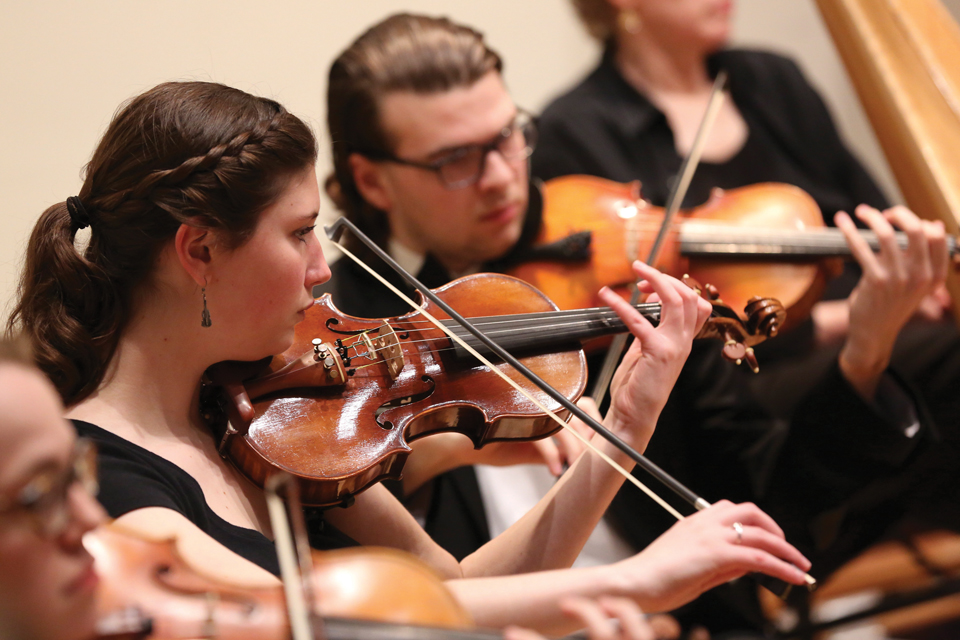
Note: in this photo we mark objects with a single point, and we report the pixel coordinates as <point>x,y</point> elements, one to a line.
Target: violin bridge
<point>386,345</point>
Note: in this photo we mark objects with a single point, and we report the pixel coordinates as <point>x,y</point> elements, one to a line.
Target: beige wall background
<point>68,65</point>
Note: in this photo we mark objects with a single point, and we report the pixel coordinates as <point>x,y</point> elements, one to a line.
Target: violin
<point>147,590</point>
<point>765,239</point>
<point>338,408</point>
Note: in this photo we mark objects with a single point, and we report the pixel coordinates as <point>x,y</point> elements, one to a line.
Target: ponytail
<point>65,307</point>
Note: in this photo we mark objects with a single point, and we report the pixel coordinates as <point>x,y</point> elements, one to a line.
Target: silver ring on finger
<point>738,529</point>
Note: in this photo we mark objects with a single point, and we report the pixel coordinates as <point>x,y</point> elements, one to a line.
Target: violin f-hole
<point>333,322</point>
<point>404,401</point>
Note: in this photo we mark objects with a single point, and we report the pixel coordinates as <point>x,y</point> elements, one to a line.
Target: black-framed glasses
<point>45,498</point>
<point>463,166</point>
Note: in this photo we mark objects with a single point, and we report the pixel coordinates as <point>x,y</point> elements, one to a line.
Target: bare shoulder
<point>201,552</point>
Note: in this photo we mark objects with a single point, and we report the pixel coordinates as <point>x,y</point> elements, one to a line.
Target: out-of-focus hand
<point>650,367</point>
<point>894,283</point>
<point>935,306</point>
<point>704,550</point>
<point>605,618</point>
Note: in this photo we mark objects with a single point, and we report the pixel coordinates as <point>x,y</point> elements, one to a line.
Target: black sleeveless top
<point>132,477</point>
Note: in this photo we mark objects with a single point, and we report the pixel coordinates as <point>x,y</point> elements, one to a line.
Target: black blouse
<point>132,477</point>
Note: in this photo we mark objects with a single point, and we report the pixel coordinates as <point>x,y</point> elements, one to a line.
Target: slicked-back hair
<point>404,53</point>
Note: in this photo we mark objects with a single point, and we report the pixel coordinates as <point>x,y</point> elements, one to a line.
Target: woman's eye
<point>302,233</point>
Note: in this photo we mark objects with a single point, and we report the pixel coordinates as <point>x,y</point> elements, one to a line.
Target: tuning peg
<point>691,282</point>
<point>734,351</point>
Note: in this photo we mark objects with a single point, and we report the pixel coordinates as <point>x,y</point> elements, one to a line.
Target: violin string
<point>587,443</point>
<point>607,312</point>
<point>734,233</point>
<point>554,331</point>
<point>568,320</point>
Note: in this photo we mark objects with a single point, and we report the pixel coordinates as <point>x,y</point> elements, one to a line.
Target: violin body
<point>340,438</point>
<point>148,591</point>
<point>337,409</point>
<point>716,243</point>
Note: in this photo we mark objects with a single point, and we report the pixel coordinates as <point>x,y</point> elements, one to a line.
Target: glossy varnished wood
<point>624,227</point>
<point>149,591</point>
<point>902,56</point>
<point>332,437</point>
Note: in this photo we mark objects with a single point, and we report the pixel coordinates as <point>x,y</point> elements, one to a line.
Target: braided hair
<point>195,152</point>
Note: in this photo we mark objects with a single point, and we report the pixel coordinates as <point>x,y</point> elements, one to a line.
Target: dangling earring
<point>205,316</point>
<point>629,21</point>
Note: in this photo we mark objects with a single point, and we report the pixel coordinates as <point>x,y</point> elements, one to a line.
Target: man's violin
<point>337,409</point>
<point>764,239</point>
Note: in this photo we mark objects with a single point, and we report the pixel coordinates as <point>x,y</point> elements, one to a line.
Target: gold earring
<point>629,21</point>
<point>205,316</point>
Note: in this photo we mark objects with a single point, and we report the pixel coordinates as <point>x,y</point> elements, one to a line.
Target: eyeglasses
<point>44,499</point>
<point>463,166</point>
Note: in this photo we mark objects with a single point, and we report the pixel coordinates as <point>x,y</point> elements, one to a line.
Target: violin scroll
<point>764,318</point>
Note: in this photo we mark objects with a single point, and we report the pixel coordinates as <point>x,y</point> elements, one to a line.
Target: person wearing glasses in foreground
<point>48,581</point>
<point>201,202</point>
<point>430,160</point>
<point>47,480</point>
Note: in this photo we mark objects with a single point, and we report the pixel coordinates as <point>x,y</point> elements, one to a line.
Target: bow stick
<point>615,351</point>
<point>293,554</point>
<point>335,231</point>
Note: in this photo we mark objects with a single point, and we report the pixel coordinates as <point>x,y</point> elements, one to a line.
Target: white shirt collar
<point>413,261</point>
<point>407,258</point>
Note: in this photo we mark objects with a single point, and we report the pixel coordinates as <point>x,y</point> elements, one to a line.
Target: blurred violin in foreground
<point>337,409</point>
<point>148,591</point>
<point>762,240</point>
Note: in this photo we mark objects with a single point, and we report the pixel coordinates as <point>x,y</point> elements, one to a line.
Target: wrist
<point>629,429</point>
<point>862,368</point>
<point>630,578</point>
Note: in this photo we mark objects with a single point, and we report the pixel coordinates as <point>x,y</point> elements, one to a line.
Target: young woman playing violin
<point>50,586</point>
<point>201,202</point>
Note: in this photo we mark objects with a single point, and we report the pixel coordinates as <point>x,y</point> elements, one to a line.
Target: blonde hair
<point>598,16</point>
<point>16,349</point>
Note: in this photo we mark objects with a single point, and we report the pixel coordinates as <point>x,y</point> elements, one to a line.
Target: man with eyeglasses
<point>430,161</point>
<point>430,156</point>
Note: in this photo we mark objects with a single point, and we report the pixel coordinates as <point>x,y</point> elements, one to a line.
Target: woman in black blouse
<point>634,118</point>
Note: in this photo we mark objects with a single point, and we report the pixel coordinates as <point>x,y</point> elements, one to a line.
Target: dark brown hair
<point>192,151</point>
<point>405,52</point>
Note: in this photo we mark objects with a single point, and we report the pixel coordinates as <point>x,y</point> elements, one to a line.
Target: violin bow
<point>335,231</point>
<point>619,344</point>
<point>293,554</point>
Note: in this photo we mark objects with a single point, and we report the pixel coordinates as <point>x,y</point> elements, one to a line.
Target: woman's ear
<point>193,246</point>
<point>369,180</point>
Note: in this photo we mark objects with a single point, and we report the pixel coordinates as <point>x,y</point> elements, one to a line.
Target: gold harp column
<point>903,57</point>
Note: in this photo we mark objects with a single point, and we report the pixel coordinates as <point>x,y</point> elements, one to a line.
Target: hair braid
<point>192,152</point>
